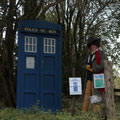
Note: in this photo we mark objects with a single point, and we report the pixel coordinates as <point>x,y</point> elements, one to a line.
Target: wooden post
<point>73,97</point>
<point>109,91</point>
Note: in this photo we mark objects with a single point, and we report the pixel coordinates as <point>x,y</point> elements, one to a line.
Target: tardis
<point>39,72</point>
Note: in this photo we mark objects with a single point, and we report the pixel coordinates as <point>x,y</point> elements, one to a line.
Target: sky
<point>119,39</point>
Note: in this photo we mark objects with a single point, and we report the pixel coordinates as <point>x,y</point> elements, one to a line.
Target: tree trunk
<point>109,91</point>
<point>7,69</point>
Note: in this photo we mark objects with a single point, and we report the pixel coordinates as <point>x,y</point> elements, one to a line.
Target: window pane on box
<point>27,48</point>
<point>30,44</point>
<point>30,40</point>
<point>53,42</point>
<point>53,49</point>
<point>34,48</point>
<point>49,49</point>
<point>49,45</point>
<point>34,40</point>
<point>30,48</point>
<point>49,41</point>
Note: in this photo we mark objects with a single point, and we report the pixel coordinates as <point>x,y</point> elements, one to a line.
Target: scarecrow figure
<point>94,64</point>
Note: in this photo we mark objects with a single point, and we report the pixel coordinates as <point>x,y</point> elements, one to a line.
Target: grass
<point>36,114</point>
<point>13,114</point>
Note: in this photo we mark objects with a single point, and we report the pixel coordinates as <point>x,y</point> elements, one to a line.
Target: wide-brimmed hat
<point>93,41</point>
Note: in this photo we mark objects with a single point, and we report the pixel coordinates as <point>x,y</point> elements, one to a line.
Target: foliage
<point>81,19</point>
<point>117,82</point>
<point>36,114</point>
<point>19,115</point>
<point>117,85</point>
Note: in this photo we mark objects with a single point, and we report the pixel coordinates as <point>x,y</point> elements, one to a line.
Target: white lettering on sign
<point>40,30</point>
<point>31,29</point>
<point>52,31</point>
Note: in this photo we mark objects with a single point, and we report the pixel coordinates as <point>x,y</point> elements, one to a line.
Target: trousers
<point>89,91</point>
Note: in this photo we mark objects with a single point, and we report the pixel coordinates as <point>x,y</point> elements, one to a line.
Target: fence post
<point>109,90</point>
<point>73,97</point>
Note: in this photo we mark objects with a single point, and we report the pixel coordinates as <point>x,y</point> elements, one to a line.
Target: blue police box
<point>39,73</point>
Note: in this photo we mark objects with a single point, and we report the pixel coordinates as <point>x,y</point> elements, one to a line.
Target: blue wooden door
<point>29,70</point>
<point>50,72</point>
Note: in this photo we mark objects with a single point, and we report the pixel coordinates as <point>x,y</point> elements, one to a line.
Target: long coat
<point>96,68</point>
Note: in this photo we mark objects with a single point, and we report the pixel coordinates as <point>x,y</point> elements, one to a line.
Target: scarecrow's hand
<point>91,70</point>
<point>88,66</point>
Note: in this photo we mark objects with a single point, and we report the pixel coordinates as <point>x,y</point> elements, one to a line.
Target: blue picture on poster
<point>99,81</point>
<point>75,86</point>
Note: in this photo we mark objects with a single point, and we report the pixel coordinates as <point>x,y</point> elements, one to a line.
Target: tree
<point>7,49</point>
<point>81,19</point>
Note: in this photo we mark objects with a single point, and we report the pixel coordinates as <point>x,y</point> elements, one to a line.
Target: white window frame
<point>49,46</point>
<point>32,44</point>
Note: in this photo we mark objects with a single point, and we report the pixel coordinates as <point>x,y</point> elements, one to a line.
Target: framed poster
<point>30,62</point>
<point>99,81</point>
<point>75,86</point>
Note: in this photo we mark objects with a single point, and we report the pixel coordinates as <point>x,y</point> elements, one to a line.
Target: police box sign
<point>40,30</point>
<point>75,86</point>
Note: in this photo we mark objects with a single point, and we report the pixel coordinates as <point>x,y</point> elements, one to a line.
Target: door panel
<point>49,73</point>
<point>30,81</point>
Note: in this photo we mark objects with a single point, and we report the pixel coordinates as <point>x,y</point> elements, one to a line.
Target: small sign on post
<point>99,81</point>
<point>75,86</point>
